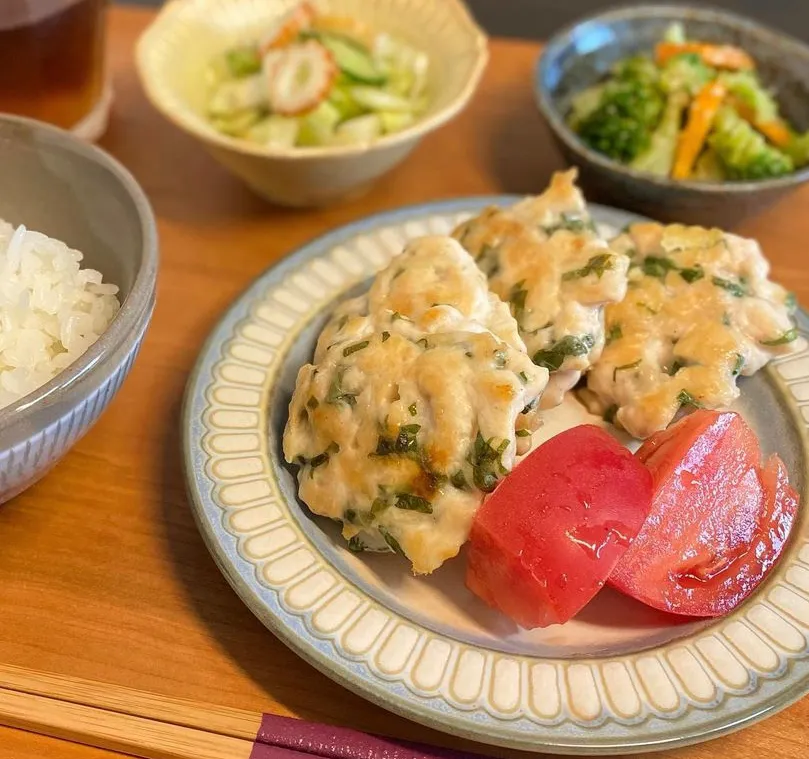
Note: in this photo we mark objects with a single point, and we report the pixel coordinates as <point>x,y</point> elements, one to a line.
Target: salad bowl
<point>175,52</point>
<point>582,54</point>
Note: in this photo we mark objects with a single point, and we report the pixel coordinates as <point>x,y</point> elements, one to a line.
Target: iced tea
<point>51,58</point>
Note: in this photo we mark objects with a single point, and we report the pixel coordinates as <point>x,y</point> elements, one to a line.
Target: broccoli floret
<point>686,72</point>
<point>744,153</point>
<point>628,111</point>
<point>637,68</point>
<point>747,88</point>
<point>584,103</point>
<point>708,168</point>
<point>798,149</point>
<point>658,158</point>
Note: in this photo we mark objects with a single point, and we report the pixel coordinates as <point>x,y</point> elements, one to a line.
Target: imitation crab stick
<point>701,114</point>
<point>288,28</point>
<point>718,56</point>
<point>299,77</point>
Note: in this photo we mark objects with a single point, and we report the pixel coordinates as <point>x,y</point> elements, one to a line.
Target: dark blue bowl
<point>582,54</point>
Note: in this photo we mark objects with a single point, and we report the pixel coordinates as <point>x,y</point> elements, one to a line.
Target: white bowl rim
<point>189,121</point>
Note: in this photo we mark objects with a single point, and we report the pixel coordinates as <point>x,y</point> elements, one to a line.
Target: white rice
<point>51,310</point>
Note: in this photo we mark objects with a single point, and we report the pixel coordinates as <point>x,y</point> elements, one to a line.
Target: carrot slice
<point>718,56</point>
<point>776,131</point>
<point>701,114</point>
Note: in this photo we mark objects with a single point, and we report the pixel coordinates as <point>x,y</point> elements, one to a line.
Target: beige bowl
<point>173,53</point>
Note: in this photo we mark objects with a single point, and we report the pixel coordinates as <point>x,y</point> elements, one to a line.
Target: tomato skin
<point>718,521</point>
<point>546,540</point>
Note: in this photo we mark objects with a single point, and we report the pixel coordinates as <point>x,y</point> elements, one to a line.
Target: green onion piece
<point>571,223</point>
<point>385,337</point>
<point>391,541</point>
<point>410,502</point>
<point>459,480</point>
<point>789,336</point>
<point>412,409</point>
<point>692,275</point>
<point>378,506</point>
<point>614,333</point>
<point>336,392</point>
<point>356,347</point>
<point>633,365</point>
<point>658,266</point>
<point>487,464</point>
<point>517,299</point>
<point>735,289</point>
<point>596,265</point>
<point>738,366</point>
<point>523,433</point>
<point>552,358</point>
<point>355,545</point>
<point>684,398</point>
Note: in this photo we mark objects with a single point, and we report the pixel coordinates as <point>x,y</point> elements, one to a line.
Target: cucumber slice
<point>236,95</point>
<point>237,124</point>
<point>351,58</point>
<point>400,82</point>
<point>243,61</point>
<point>378,100</point>
<point>317,127</point>
<point>359,130</point>
<point>341,99</point>
<point>395,122</point>
<point>275,131</point>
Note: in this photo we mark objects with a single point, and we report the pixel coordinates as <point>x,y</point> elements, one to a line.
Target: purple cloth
<point>287,738</point>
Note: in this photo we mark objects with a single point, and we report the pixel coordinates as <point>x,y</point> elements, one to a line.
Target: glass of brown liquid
<point>52,63</point>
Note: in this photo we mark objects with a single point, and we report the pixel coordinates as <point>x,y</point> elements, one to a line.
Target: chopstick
<point>150,726</point>
<point>124,733</point>
<point>237,723</point>
<point>124,719</point>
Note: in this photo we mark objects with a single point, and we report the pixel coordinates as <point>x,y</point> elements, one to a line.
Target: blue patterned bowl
<point>74,192</point>
<point>583,53</point>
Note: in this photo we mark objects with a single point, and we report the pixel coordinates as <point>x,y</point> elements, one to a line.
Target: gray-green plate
<point>619,678</point>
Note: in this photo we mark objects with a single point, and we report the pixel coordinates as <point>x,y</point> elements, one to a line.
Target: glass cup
<point>52,63</point>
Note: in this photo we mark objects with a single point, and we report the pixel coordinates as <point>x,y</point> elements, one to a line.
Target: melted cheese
<point>699,311</point>
<point>545,258</point>
<point>408,413</point>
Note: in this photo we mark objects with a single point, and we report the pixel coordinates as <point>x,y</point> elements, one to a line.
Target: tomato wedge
<point>719,521</point>
<point>547,539</point>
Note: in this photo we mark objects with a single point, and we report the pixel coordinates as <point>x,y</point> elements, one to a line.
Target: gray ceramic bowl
<point>55,184</point>
<point>583,53</point>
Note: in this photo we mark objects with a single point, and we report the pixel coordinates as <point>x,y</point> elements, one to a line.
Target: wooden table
<point>103,575</point>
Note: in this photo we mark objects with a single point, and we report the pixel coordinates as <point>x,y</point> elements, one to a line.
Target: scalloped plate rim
<point>355,676</point>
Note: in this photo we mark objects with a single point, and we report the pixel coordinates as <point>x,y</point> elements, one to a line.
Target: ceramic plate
<point>620,677</point>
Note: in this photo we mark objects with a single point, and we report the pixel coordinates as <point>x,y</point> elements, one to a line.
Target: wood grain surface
<point>103,575</point>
